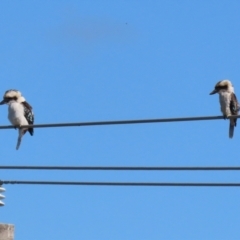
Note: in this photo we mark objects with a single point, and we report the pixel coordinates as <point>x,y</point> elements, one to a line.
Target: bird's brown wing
<point>28,113</point>
<point>234,106</point>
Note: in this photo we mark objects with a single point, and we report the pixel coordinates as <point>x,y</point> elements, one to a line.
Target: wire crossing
<point>121,168</point>
<point>123,184</point>
<point>120,122</point>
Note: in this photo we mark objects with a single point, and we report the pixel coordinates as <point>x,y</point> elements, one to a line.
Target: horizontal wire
<point>120,168</point>
<point>119,122</point>
<point>130,184</point>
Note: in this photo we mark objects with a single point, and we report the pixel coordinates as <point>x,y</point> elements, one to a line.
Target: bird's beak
<point>2,102</point>
<point>213,92</point>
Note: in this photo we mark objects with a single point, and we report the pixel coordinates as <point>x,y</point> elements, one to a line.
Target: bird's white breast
<point>16,114</point>
<point>224,99</point>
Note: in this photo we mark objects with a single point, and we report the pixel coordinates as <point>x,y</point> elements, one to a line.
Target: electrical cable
<point>120,122</point>
<point>132,184</point>
<point>121,168</point>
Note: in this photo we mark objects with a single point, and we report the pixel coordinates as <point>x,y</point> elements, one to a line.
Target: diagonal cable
<point>120,122</point>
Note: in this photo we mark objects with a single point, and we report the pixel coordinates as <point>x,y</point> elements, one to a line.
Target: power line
<point>125,184</point>
<point>120,122</point>
<point>120,168</point>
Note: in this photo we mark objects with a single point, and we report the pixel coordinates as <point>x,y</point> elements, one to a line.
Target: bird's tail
<point>232,125</point>
<point>231,130</point>
<point>21,132</point>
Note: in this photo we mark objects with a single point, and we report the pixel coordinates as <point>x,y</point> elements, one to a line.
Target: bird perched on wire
<point>228,102</point>
<point>19,112</point>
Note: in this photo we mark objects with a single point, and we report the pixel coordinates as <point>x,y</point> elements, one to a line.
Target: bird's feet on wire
<point>17,126</point>
<point>226,116</point>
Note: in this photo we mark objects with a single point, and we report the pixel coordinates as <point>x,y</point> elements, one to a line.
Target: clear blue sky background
<point>116,60</point>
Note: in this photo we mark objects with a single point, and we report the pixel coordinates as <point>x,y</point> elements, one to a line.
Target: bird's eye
<point>7,99</point>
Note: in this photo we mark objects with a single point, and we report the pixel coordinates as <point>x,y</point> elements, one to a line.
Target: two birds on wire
<point>20,113</point>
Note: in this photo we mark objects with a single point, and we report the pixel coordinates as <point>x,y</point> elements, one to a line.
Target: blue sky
<point>113,60</point>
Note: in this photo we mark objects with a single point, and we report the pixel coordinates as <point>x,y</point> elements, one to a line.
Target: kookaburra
<point>228,102</point>
<point>20,113</point>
